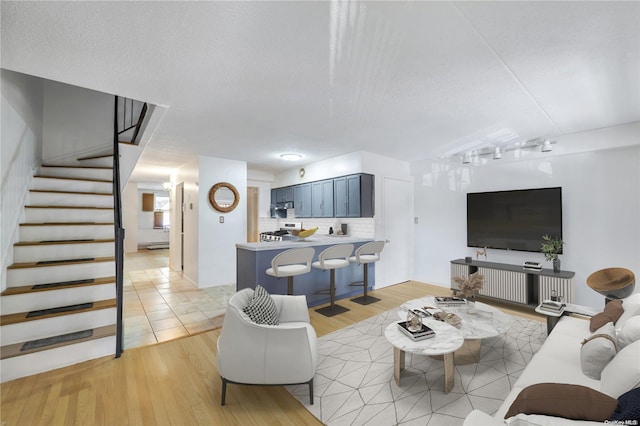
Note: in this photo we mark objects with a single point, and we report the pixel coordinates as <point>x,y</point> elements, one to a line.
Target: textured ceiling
<point>408,80</point>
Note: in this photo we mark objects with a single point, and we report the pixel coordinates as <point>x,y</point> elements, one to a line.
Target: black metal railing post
<point>119,234</point>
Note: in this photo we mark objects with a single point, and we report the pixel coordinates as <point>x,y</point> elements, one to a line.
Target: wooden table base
<point>399,362</point>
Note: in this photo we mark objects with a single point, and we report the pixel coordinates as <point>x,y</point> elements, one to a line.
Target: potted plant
<point>551,246</point>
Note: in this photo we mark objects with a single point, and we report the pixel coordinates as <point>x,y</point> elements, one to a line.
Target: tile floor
<point>160,305</point>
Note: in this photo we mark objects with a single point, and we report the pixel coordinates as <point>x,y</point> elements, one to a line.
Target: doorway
<point>397,204</point>
<point>252,214</point>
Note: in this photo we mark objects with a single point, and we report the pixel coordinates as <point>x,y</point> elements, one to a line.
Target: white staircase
<point>59,307</point>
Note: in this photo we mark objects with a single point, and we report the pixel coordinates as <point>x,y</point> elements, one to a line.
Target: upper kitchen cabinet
<point>302,200</point>
<point>354,196</point>
<point>284,195</point>
<point>322,198</point>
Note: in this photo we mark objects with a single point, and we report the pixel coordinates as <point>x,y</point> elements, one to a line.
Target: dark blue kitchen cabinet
<point>354,196</point>
<point>302,200</point>
<point>322,198</point>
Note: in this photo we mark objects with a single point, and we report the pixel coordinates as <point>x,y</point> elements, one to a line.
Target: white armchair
<point>256,354</point>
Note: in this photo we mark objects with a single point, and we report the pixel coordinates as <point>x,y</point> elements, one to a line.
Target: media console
<point>514,283</point>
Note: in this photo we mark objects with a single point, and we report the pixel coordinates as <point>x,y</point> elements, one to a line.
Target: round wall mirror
<point>224,197</point>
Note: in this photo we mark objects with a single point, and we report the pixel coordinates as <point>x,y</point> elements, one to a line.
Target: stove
<point>282,234</point>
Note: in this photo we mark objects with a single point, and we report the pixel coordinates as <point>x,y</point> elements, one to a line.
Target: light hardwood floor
<point>176,382</point>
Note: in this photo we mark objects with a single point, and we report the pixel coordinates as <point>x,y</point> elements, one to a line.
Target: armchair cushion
<point>262,309</point>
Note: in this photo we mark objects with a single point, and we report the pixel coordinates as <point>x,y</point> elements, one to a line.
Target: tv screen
<point>514,220</point>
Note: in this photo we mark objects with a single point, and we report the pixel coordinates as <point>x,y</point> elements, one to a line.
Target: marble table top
<point>447,339</point>
<point>486,322</point>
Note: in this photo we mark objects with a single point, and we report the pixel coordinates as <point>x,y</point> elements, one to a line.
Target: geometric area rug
<point>354,382</point>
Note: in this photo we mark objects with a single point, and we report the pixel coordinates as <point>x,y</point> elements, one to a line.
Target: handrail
<point>126,121</point>
<point>119,234</point>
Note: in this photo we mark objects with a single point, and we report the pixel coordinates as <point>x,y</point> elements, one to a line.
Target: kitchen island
<point>253,259</point>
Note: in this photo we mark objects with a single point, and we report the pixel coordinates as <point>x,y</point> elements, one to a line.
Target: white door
<point>396,260</point>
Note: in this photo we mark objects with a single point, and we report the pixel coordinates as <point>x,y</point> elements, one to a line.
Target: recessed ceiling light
<point>290,156</point>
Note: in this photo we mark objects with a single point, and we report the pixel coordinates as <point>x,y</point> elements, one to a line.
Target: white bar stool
<point>333,258</point>
<point>290,263</point>
<point>365,254</point>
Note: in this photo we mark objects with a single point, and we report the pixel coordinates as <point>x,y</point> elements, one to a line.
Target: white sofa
<point>558,361</point>
<point>259,354</point>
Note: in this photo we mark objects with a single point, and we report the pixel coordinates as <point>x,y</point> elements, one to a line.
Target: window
<point>161,219</point>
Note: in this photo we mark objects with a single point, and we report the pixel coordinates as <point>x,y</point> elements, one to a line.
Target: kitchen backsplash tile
<point>356,227</point>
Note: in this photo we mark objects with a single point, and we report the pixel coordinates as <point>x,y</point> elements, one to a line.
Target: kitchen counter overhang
<point>253,259</point>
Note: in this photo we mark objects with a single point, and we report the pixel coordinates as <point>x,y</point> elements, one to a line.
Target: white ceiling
<point>408,80</point>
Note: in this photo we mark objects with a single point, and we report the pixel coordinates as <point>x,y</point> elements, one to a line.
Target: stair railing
<point>130,117</point>
<point>119,234</point>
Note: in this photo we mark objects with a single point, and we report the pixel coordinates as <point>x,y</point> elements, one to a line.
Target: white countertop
<point>314,240</point>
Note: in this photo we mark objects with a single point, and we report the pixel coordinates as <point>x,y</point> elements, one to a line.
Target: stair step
<point>41,314</point>
<point>71,184</point>
<point>82,172</point>
<point>69,198</point>
<point>58,285</point>
<point>73,178</point>
<point>94,157</point>
<point>44,213</point>
<point>35,297</point>
<point>31,274</point>
<point>24,348</point>
<point>64,231</point>
<point>50,242</point>
<point>60,262</point>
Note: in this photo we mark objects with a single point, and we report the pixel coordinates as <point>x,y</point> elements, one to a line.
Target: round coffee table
<point>446,341</point>
<point>486,322</point>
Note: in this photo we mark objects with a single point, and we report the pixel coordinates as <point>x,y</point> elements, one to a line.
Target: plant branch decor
<point>551,246</point>
<point>470,286</point>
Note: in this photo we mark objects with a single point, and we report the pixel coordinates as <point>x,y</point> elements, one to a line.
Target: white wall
<point>20,153</point>
<point>217,244</point>
<point>188,175</point>
<point>337,166</point>
<point>76,122</point>
<point>209,245</point>
<point>601,211</point>
<point>130,217</point>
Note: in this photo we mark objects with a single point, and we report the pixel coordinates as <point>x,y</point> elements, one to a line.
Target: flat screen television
<point>514,220</point>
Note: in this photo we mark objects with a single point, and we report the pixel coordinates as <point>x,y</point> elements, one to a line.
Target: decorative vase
<point>471,304</point>
<point>556,265</point>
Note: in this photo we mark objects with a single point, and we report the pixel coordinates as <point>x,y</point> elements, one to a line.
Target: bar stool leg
<point>365,299</point>
<point>332,309</point>
<point>290,285</point>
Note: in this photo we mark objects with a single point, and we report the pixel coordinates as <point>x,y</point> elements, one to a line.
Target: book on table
<point>450,301</point>
<point>552,306</point>
<point>424,333</point>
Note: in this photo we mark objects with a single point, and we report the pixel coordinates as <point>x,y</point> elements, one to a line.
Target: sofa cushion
<point>623,371</point>
<point>631,307</point>
<point>628,406</point>
<point>261,309</point>
<point>612,312</point>
<point>629,332</point>
<point>563,400</point>
<point>597,350</point>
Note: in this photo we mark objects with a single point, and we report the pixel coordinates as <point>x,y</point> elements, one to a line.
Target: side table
<point>446,341</point>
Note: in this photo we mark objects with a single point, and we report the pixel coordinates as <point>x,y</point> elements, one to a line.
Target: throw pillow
<point>597,350</point>
<point>628,407</point>
<point>630,332</point>
<point>262,309</point>
<point>623,371</point>
<point>612,312</point>
<point>563,400</point>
